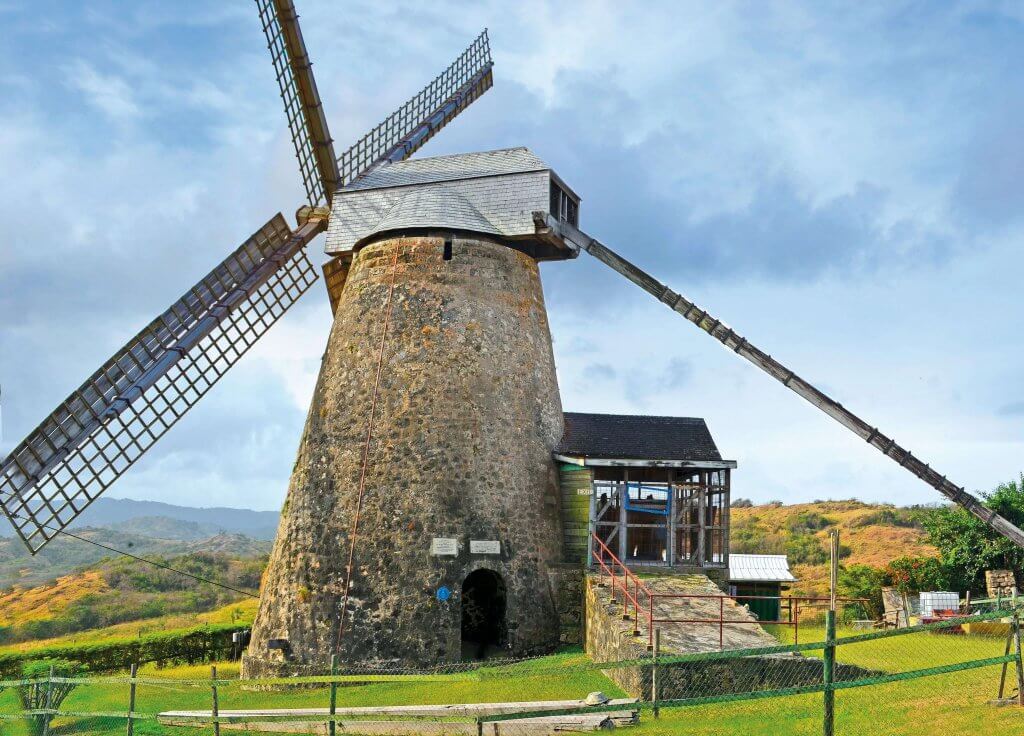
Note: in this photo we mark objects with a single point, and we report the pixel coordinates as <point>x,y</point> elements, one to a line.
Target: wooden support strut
<point>724,334</point>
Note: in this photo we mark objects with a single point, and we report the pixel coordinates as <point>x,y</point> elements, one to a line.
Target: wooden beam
<point>738,344</point>
<point>312,107</point>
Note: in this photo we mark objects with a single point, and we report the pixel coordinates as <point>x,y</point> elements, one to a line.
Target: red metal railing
<point>621,581</point>
<point>641,599</point>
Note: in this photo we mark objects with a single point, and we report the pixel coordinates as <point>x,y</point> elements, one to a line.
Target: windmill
<point>436,411</point>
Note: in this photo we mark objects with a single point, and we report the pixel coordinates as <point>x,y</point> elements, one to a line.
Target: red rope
<point>366,450</point>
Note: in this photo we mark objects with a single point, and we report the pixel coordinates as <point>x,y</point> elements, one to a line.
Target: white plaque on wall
<point>484,547</point>
<point>444,547</point>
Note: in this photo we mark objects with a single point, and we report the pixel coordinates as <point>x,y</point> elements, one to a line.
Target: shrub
<point>40,693</point>
<point>914,574</point>
<point>890,516</point>
<point>742,503</point>
<point>805,549</point>
<point>862,581</point>
<point>808,521</point>
<point>747,536</point>
<point>185,646</point>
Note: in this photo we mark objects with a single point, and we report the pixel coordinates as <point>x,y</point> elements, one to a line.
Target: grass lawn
<point>547,678</point>
<point>956,701</point>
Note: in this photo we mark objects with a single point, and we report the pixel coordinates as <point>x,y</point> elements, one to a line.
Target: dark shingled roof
<point>632,437</point>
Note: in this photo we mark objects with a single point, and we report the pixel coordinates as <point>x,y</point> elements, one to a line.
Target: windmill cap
<point>596,698</point>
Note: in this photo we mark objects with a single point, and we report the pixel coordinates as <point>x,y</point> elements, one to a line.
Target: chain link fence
<point>954,674</point>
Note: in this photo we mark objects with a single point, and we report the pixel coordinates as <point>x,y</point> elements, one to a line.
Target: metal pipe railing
<point>642,597</point>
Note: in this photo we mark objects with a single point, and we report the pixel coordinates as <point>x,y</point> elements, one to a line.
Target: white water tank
<point>939,601</point>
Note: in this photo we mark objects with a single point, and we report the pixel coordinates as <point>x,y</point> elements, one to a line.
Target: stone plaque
<point>444,547</point>
<point>484,547</point>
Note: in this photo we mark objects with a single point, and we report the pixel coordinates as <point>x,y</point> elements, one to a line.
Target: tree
<point>967,547</point>
<point>863,581</point>
<point>39,693</point>
<point>914,574</point>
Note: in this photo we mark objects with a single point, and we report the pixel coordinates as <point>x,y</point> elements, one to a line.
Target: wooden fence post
<point>48,701</point>
<point>216,711</point>
<point>828,667</point>
<point>131,697</point>
<point>332,726</point>
<point>654,674</point>
<point>1006,665</point>
<point>1019,663</point>
<point>828,672</point>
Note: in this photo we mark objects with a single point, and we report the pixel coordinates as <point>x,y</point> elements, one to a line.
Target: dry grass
<point>870,544</point>
<point>45,601</point>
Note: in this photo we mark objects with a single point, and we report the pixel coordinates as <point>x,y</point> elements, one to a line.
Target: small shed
<point>760,575</point>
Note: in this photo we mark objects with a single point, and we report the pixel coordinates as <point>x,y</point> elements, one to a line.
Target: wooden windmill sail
<point>131,401</point>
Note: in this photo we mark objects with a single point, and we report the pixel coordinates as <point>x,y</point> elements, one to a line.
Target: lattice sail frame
<point>101,429</point>
<point>405,130</point>
<point>307,124</point>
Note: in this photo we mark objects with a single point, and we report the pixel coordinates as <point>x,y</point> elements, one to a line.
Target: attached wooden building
<point>655,490</point>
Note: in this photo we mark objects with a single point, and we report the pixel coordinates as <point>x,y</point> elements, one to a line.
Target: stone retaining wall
<point>609,639</point>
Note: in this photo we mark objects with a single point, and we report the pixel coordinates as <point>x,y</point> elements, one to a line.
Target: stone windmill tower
<point>424,478</point>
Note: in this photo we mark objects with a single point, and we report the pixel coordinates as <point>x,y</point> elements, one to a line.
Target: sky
<point>838,182</point>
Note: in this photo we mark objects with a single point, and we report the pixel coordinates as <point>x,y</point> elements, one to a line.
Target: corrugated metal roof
<point>759,568</point>
<point>450,168</point>
<point>636,437</point>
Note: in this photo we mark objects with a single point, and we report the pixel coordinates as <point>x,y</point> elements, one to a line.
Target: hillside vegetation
<point>66,555</point>
<point>870,534</point>
<point>117,590</point>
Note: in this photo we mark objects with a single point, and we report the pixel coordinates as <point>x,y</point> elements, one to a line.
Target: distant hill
<point>63,556</point>
<point>131,515</point>
<point>73,584</point>
<point>164,527</point>
<point>869,534</point>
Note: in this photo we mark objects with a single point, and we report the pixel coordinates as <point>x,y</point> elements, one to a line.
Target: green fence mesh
<point>944,675</point>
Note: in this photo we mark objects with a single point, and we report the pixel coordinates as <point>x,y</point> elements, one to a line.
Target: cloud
<point>988,193</point>
<point>108,93</point>
<point>830,181</point>
<point>599,372</point>
<point>1013,409</point>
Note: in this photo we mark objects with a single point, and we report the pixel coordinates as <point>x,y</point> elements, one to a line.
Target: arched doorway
<point>484,632</point>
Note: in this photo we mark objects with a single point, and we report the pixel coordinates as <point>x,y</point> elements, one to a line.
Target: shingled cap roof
<point>506,194</point>
<point>636,437</point>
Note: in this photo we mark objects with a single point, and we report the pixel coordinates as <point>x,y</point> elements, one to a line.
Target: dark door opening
<point>484,632</point>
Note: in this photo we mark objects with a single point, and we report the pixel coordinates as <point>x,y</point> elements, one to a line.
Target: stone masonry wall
<point>567,586</point>
<point>466,418</point>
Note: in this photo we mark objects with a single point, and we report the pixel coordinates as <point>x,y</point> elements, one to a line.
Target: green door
<point>766,609</point>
